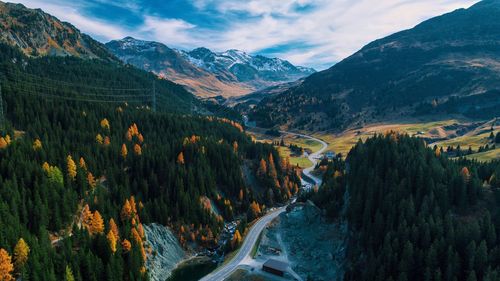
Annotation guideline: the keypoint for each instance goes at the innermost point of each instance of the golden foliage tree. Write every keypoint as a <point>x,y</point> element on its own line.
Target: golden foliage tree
<point>105,124</point>
<point>180,158</point>
<point>126,212</point>
<point>126,245</point>
<point>6,266</point>
<point>68,276</point>
<point>112,241</point>
<point>137,149</point>
<point>3,143</point>
<point>86,216</point>
<point>82,163</point>
<point>71,167</point>
<point>91,180</point>
<point>124,151</point>
<point>97,224</point>
<point>235,146</point>
<point>262,168</point>
<point>99,139</point>
<point>114,228</point>
<point>140,138</point>
<point>21,252</point>
<point>107,141</point>
<point>37,144</point>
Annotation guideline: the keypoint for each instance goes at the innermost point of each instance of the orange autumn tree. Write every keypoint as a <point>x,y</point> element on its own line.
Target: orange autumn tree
<point>6,266</point>
<point>86,217</point>
<point>262,171</point>
<point>91,180</point>
<point>97,224</point>
<point>124,151</point>
<point>180,158</point>
<point>126,245</point>
<point>126,212</point>
<point>114,228</point>
<point>112,241</point>
<point>137,149</point>
<point>105,124</point>
<point>83,165</point>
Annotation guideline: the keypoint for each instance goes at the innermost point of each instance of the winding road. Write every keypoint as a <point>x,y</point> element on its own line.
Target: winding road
<point>251,238</point>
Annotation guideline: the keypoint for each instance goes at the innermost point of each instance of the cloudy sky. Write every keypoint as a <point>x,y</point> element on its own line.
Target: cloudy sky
<point>314,33</point>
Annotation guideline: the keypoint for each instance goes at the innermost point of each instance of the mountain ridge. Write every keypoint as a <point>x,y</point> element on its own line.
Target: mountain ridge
<point>423,70</point>
<point>37,33</point>
<point>228,73</point>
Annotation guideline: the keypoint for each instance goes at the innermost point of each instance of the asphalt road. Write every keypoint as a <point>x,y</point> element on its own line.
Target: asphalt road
<point>313,157</point>
<point>251,238</point>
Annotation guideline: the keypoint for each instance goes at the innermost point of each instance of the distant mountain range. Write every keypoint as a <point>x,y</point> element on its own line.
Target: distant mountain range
<point>446,65</point>
<point>37,33</point>
<point>207,73</point>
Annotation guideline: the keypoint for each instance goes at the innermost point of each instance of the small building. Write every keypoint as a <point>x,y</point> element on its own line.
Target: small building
<point>275,267</point>
<point>330,155</point>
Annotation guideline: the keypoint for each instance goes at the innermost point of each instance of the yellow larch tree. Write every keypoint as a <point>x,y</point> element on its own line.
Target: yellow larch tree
<point>6,266</point>
<point>21,252</point>
<point>37,144</point>
<point>69,274</point>
<point>71,167</point>
<point>99,139</point>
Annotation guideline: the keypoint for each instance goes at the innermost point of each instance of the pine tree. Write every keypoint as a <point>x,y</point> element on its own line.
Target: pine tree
<point>114,228</point>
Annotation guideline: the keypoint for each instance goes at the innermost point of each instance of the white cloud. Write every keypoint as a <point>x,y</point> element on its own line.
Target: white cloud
<point>333,28</point>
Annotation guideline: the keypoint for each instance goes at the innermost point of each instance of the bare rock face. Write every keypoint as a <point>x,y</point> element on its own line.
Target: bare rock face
<point>167,251</point>
<point>37,33</point>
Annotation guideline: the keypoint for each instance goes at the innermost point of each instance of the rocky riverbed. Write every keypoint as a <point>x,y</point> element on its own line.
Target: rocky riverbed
<point>314,248</point>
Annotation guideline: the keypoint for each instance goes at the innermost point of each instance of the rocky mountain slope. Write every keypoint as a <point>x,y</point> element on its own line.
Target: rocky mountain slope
<point>38,34</point>
<point>206,73</point>
<point>448,64</point>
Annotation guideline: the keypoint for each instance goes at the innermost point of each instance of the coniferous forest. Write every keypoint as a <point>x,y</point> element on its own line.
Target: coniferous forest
<point>414,214</point>
<point>78,179</point>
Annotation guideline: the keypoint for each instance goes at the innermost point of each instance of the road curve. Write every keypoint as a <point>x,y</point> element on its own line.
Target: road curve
<point>246,248</point>
<point>251,238</point>
<point>312,157</point>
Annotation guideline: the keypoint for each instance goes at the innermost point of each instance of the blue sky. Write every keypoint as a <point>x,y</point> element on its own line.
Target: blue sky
<point>315,33</point>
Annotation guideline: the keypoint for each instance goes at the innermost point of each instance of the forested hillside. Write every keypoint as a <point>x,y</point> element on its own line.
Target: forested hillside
<point>84,162</point>
<point>414,214</point>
